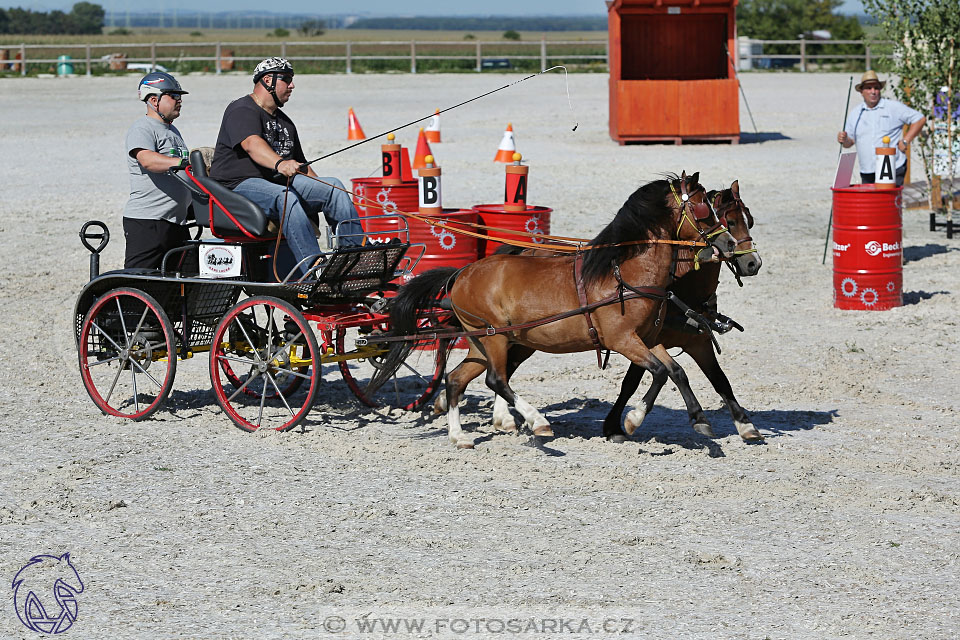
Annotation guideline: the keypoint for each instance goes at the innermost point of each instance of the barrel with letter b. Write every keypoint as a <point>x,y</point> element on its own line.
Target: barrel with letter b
<point>446,243</point>
<point>867,247</point>
<point>392,168</point>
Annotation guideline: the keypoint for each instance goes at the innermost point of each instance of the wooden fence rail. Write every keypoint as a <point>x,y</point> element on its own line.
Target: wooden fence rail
<point>346,52</point>
<point>482,54</point>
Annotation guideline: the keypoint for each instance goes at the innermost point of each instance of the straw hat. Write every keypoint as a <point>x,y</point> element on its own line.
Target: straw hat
<point>869,76</point>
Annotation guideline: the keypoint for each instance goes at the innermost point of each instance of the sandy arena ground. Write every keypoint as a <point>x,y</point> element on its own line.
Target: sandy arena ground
<point>844,524</point>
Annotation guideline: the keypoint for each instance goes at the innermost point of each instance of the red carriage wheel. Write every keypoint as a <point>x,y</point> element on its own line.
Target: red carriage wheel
<point>260,346</point>
<point>127,354</point>
<point>240,377</point>
<point>418,378</point>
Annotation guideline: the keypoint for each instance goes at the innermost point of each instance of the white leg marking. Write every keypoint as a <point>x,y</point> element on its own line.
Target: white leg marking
<point>534,419</point>
<point>455,431</point>
<point>502,418</point>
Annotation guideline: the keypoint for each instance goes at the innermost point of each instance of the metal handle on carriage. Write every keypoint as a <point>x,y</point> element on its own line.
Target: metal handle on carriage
<point>166,256</point>
<point>402,269</point>
<point>103,237</point>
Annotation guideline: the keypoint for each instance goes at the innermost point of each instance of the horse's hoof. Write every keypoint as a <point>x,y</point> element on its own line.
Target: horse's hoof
<point>543,431</point>
<point>507,426</point>
<point>633,421</point>
<point>464,445</point>
<point>618,438</point>
<point>748,432</point>
<point>704,429</point>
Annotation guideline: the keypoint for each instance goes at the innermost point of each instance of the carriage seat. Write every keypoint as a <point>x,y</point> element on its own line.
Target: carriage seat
<point>229,216</point>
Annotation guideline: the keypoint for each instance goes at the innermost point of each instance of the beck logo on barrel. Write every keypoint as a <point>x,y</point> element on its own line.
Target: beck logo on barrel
<point>874,248</point>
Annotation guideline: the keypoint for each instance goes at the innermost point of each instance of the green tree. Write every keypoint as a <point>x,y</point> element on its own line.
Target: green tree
<point>787,19</point>
<point>87,17</point>
<point>925,36</point>
<point>511,35</point>
<point>312,28</point>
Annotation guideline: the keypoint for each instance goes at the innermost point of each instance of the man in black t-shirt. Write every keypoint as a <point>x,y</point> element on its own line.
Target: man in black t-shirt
<point>257,141</point>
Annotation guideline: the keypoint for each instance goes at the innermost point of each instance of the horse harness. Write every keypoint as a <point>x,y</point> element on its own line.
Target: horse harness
<point>623,293</point>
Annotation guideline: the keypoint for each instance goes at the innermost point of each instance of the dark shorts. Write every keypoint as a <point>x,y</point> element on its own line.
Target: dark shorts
<point>870,178</point>
<point>148,241</point>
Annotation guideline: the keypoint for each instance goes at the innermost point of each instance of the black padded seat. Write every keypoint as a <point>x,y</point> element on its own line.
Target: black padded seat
<point>229,215</point>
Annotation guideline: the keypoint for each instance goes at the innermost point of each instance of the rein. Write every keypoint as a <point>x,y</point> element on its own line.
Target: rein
<point>574,244</point>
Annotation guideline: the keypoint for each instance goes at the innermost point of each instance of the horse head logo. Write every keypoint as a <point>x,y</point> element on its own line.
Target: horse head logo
<point>45,594</point>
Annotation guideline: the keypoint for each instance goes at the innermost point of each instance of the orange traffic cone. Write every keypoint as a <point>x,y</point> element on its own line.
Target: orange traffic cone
<point>433,128</point>
<point>507,146</point>
<point>405,171</point>
<point>423,150</point>
<point>354,130</point>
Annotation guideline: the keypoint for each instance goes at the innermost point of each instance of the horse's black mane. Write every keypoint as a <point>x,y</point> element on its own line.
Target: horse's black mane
<point>644,213</point>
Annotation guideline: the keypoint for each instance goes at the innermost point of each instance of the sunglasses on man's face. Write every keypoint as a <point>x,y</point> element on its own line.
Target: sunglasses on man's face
<point>286,78</point>
<point>871,87</point>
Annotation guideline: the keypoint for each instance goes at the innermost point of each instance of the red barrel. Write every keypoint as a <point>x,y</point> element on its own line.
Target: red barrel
<point>445,247</point>
<point>373,198</point>
<point>867,248</point>
<point>534,220</point>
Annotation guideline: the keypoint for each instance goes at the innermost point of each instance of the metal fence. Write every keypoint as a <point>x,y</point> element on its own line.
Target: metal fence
<point>344,56</point>
<point>752,56</point>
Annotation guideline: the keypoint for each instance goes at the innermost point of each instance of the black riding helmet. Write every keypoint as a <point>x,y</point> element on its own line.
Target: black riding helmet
<point>158,84</point>
<point>275,67</point>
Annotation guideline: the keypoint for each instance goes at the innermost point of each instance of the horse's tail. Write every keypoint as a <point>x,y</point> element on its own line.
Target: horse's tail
<point>423,292</point>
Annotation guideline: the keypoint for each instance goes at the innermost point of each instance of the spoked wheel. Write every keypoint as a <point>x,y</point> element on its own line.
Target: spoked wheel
<point>414,383</point>
<point>261,365</point>
<point>287,384</point>
<point>127,354</point>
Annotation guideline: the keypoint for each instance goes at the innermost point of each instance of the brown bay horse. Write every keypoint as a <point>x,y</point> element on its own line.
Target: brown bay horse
<point>613,291</point>
<point>695,290</point>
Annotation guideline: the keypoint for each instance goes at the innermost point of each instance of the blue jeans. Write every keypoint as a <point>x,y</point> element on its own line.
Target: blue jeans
<point>306,200</point>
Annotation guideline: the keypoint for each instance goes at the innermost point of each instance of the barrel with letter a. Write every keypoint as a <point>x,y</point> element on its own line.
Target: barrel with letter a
<point>867,247</point>
<point>886,173</point>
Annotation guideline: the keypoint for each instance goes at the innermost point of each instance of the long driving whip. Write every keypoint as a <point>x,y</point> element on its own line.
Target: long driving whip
<point>826,241</point>
<point>460,104</point>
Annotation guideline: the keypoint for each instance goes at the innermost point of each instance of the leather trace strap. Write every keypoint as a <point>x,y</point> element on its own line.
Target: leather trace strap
<point>582,296</point>
<point>655,293</point>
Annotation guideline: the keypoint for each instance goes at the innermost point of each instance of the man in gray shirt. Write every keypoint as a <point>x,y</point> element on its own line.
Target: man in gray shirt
<point>155,214</point>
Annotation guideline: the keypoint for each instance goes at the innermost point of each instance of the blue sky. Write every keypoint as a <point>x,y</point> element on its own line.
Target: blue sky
<point>380,7</point>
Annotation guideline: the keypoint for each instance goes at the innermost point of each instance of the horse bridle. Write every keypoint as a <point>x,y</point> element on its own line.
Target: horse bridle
<point>735,267</point>
<point>698,211</point>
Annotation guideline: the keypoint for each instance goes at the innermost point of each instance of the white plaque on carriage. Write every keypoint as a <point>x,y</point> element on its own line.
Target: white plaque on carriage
<point>220,261</point>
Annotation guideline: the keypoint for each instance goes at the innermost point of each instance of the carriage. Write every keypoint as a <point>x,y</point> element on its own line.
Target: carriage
<point>267,331</point>
<point>227,299</point>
